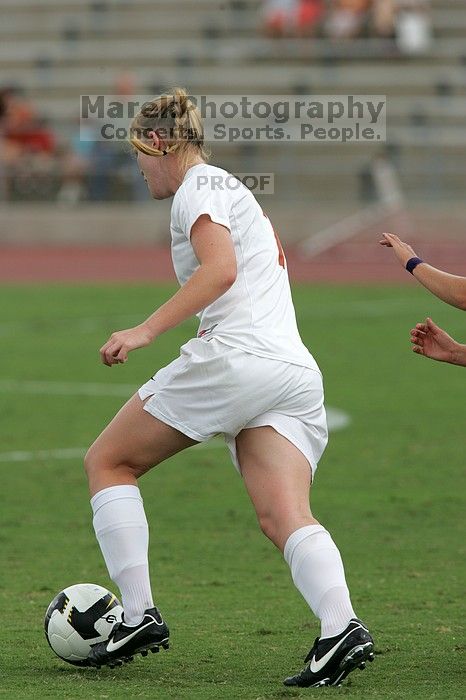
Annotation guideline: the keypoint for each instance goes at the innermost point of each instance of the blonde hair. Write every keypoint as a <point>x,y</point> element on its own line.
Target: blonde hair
<point>176,120</point>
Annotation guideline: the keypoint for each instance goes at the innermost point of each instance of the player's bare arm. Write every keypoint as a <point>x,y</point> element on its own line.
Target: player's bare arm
<point>429,340</point>
<point>215,275</point>
<point>447,287</point>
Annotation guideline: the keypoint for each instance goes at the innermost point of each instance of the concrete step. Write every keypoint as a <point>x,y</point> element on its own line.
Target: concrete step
<point>113,6</point>
<point>273,78</point>
<point>51,50</point>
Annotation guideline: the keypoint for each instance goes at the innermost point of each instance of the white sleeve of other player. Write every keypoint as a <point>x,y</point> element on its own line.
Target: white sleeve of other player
<point>199,197</point>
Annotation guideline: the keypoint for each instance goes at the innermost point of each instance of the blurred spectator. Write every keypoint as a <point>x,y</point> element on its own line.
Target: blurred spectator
<point>34,137</point>
<point>29,149</point>
<point>111,174</point>
<point>35,165</point>
<point>277,16</point>
<point>23,130</point>
<point>406,20</point>
<point>293,17</point>
<point>309,17</point>
<point>413,26</point>
<point>347,19</point>
<point>383,17</point>
<point>76,164</point>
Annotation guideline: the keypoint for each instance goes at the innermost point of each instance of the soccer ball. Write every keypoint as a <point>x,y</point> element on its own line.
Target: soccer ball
<point>79,617</point>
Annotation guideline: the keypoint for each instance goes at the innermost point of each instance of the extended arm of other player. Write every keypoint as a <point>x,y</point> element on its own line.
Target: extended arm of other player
<point>449,288</point>
<point>216,273</point>
<point>430,340</point>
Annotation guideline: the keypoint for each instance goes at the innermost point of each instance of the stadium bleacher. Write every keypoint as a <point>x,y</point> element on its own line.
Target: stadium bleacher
<point>58,50</point>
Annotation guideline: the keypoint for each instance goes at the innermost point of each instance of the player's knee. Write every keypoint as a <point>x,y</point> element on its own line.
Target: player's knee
<point>97,460</point>
<point>91,463</point>
<point>278,525</point>
<point>268,526</point>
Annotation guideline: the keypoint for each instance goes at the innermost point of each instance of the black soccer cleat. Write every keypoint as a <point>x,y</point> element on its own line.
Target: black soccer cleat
<point>331,659</point>
<point>125,641</point>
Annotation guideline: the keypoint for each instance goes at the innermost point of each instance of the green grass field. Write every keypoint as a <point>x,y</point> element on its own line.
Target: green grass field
<point>390,489</point>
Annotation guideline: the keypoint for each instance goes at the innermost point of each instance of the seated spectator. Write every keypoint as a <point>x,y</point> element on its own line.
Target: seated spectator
<point>35,137</point>
<point>22,127</point>
<point>293,17</point>
<point>310,14</point>
<point>277,15</point>
<point>413,26</point>
<point>29,154</point>
<point>76,164</point>
<point>347,19</point>
<point>383,18</point>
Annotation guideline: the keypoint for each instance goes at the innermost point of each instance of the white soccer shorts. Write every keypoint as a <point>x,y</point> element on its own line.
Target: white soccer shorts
<point>214,388</point>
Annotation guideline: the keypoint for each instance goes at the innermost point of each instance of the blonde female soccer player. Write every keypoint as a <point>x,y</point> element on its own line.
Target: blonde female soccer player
<point>246,375</point>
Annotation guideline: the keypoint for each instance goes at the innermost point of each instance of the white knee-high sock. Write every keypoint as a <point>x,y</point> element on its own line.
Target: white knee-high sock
<point>121,529</point>
<point>318,574</point>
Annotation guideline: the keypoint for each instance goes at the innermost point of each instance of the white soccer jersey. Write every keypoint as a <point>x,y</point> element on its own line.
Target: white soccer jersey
<point>256,314</point>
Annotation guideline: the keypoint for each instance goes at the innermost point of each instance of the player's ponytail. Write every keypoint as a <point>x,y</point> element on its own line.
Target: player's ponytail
<point>177,121</point>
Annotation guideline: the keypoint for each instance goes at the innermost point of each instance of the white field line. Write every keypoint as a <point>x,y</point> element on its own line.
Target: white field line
<point>337,420</point>
<point>73,453</point>
<point>42,455</point>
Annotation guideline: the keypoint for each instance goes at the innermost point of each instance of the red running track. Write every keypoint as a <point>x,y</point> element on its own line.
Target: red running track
<point>351,263</point>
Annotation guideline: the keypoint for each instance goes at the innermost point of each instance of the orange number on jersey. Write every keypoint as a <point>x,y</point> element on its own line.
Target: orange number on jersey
<point>281,254</point>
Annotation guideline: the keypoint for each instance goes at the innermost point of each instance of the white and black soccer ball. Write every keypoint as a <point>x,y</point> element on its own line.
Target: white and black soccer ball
<point>79,617</point>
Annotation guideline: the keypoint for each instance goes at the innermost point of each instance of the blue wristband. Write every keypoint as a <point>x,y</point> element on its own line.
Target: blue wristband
<point>413,263</point>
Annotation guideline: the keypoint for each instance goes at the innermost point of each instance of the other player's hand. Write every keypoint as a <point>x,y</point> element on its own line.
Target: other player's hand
<point>431,341</point>
<point>402,250</point>
<point>116,349</point>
